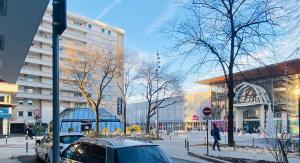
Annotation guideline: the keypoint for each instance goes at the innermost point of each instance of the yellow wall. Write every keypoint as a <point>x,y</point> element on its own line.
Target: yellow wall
<point>8,88</point>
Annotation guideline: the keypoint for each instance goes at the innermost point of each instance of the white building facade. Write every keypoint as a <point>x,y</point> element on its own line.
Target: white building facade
<point>185,113</point>
<point>35,79</point>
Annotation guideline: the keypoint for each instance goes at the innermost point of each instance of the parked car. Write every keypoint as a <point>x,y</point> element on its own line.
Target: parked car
<point>117,150</point>
<point>43,147</point>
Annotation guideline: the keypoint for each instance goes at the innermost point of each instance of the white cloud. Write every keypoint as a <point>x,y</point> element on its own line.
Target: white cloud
<point>108,8</point>
<point>169,13</point>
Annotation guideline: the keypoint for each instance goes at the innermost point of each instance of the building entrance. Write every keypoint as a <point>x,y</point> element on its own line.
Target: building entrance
<point>251,126</point>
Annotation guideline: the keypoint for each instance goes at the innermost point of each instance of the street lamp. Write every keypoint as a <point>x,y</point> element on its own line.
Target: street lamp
<point>157,114</point>
<point>297,92</point>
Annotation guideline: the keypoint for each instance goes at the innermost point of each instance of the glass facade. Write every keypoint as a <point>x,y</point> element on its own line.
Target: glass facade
<point>80,119</point>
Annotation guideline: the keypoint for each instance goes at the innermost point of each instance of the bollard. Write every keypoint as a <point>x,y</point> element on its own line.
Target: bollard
<point>170,136</point>
<point>26,147</point>
<point>253,142</point>
<point>234,145</point>
<point>185,143</point>
<point>188,146</point>
<point>6,139</point>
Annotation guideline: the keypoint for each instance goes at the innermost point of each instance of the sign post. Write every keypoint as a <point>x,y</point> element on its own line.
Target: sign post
<point>207,112</point>
<point>36,113</point>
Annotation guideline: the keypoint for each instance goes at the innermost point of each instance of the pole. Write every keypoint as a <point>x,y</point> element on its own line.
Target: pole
<point>35,128</point>
<point>157,110</point>
<point>207,135</point>
<point>55,74</point>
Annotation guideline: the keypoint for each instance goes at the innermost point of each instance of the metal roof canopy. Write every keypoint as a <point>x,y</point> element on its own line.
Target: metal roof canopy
<point>19,27</point>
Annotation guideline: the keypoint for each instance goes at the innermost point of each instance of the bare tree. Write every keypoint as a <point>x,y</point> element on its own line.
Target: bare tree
<point>278,143</point>
<point>228,31</point>
<point>165,87</point>
<point>92,71</point>
<point>127,76</point>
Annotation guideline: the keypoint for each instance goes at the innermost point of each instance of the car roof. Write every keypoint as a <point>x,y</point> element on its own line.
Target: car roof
<point>70,133</point>
<point>116,142</point>
<point>67,134</point>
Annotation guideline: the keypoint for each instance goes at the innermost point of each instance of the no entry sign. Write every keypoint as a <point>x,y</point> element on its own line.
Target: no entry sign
<point>207,111</point>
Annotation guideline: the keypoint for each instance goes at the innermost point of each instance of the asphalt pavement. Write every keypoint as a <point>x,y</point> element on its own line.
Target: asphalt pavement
<point>177,160</point>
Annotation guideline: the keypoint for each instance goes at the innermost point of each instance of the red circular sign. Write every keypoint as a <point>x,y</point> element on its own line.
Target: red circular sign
<point>207,111</point>
<point>36,112</point>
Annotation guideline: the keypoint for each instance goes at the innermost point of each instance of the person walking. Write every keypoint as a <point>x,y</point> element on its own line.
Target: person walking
<point>215,132</point>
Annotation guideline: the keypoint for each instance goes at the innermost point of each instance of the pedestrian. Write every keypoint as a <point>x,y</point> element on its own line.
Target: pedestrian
<point>215,132</point>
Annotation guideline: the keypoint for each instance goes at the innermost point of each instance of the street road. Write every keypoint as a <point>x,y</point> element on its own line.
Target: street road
<point>176,160</point>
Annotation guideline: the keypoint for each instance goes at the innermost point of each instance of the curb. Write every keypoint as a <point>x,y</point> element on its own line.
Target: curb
<point>204,157</point>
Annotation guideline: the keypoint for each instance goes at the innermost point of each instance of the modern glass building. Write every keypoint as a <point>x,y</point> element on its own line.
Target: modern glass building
<point>273,86</point>
<point>82,119</point>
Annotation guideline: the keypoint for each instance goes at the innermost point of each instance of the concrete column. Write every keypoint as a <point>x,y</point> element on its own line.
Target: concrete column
<point>239,117</point>
<point>262,116</point>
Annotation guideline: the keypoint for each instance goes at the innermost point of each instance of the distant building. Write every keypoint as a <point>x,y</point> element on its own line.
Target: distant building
<point>7,95</point>
<point>185,113</point>
<point>35,78</point>
<point>19,22</point>
<point>255,90</point>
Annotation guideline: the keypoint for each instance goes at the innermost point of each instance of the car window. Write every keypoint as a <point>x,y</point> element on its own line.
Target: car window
<point>97,154</point>
<point>68,139</point>
<point>46,139</point>
<point>70,151</point>
<point>144,154</point>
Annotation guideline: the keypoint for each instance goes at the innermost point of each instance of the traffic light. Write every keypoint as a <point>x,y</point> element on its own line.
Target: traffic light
<point>59,16</point>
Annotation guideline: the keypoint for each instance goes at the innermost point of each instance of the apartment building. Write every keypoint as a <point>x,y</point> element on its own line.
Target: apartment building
<point>35,79</point>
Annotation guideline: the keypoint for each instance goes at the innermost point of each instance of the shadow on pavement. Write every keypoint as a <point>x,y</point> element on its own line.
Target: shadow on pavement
<point>28,159</point>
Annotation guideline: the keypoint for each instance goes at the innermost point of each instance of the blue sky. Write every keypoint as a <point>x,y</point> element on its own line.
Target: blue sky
<point>140,19</point>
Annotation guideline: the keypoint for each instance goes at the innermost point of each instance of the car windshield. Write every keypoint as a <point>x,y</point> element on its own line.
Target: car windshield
<point>68,139</point>
<point>145,154</point>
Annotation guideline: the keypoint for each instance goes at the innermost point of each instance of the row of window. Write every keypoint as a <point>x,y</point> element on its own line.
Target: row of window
<point>29,102</point>
<point>21,113</point>
<point>102,29</point>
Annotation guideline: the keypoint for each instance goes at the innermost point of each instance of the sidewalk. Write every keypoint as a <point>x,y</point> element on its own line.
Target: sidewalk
<point>176,150</point>
<point>16,146</point>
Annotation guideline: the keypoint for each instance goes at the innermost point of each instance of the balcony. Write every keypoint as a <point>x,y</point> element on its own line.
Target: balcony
<point>36,73</point>
<point>38,61</point>
<point>40,50</point>
<point>34,84</point>
<point>71,35</point>
<point>34,96</point>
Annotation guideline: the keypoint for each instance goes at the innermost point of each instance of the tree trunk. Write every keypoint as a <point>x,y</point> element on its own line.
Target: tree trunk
<point>125,122</point>
<point>231,95</point>
<point>148,125</point>
<point>97,121</point>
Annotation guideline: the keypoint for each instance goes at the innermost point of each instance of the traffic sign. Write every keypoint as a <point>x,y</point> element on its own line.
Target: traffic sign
<point>36,112</point>
<point>207,111</point>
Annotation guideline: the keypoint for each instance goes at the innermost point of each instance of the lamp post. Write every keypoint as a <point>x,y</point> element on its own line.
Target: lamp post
<point>157,110</point>
<point>297,92</point>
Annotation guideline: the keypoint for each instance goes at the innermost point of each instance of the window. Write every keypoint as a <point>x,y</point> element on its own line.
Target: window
<point>146,154</point>
<point>30,90</point>
<point>29,114</point>
<point>29,101</point>
<point>77,94</point>
<point>30,79</point>
<point>77,152</point>
<point>20,113</point>
<point>103,30</point>
<point>3,7</point>
<point>2,97</point>
<point>21,102</point>
<point>97,154</point>
<point>90,26</point>
<point>2,41</point>
<point>109,32</point>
